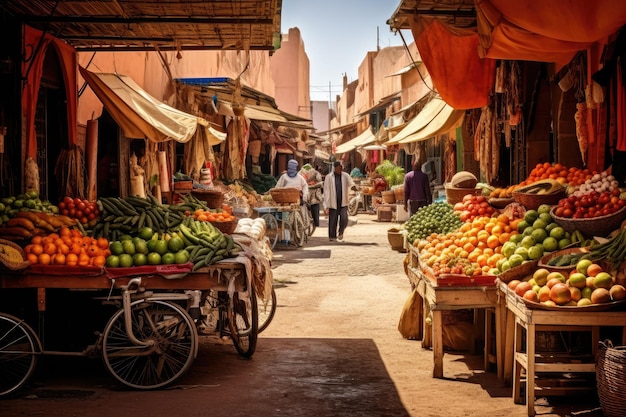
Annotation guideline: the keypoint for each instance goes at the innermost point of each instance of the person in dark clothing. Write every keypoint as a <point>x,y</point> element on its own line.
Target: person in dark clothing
<point>416,190</point>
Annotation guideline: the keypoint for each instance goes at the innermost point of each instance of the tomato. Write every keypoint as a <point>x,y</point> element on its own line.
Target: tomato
<point>568,212</point>
<point>78,214</point>
<point>621,203</point>
<point>67,199</point>
<point>559,211</point>
<point>77,201</point>
<point>615,192</point>
<point>87,211</point>
<point>72,212</point>
<point>65,212</point>
<point>62,205</point>
<point>84,220</point>
<point>80,206</point>
<point>91,216</point>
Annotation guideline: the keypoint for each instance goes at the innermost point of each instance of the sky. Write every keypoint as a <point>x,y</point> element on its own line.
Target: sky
<point>337,34</point>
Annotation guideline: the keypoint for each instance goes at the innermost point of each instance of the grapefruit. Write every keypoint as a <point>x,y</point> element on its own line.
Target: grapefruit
<point>575,293</point>
<point>513,284</point>
<point>531,295</point>
<point>560,294</point>
<point>522,288</point>
<point>578,280</point>
<point>600,296</point>
<point>544,293</point>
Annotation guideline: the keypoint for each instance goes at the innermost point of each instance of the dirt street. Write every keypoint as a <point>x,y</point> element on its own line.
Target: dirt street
<point>333,349</point>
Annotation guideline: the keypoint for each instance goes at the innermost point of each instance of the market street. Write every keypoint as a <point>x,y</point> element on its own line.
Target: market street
<point>333,349</point>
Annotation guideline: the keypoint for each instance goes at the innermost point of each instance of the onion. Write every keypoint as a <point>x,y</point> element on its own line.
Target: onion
<point>610,178</point>
<point>596,177</point>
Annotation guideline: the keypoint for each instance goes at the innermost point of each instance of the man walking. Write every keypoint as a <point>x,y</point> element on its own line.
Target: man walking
<point>416,190</point>
<point>336,188</point>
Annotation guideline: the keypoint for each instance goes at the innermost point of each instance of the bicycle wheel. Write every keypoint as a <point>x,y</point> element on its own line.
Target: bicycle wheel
<point>243,321</point>
<point>267,309</point>
<point>353,206</point>
<point>297,227</point>
<point>271,228</point>
<point>150,367</point>
<point>18,354</point>
<point>310,228</point>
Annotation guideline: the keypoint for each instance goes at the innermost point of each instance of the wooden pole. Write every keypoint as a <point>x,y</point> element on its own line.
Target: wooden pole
<point>92,159</point>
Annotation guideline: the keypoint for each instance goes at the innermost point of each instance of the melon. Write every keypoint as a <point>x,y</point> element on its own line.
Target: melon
<point>463,179</point>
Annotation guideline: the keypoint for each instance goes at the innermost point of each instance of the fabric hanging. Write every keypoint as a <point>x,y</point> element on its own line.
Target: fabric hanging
<point>36,43</point>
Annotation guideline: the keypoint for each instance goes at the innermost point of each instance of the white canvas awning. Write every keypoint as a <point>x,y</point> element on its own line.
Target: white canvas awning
<point>138,114</point>
<point>364,138</point>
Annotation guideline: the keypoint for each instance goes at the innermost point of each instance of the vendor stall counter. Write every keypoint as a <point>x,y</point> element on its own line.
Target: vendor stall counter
<point>437,298</point>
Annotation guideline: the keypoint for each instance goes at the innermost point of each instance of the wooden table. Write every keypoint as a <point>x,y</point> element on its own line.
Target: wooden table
<point>435,299</point>
<point>531,321</point>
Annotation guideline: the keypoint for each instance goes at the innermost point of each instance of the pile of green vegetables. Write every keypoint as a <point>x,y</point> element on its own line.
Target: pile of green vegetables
<point>393,174</point>
<point>437,218</point>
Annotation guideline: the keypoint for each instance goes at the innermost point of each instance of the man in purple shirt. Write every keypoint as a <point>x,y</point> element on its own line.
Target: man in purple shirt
<point>416,190</point>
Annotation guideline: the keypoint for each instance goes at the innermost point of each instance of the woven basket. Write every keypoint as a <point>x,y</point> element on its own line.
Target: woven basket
<point>396,239</point>
<point>226,227</point>
<point>14,266</point>
<point>455,195</point>
<point>611,378</point>
<point>533,201</point>
<point>287,195</point>
<point>565,270</point>
<point>398,193</point>
<point>389,197</point>
<point>596,226</point>
<point>213,199</point>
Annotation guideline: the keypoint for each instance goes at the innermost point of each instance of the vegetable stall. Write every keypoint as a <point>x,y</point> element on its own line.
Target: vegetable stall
<point>542,261</point>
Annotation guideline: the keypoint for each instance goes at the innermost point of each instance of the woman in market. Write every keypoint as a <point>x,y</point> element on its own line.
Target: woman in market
<point>292,179</point>
<point>315,183</point>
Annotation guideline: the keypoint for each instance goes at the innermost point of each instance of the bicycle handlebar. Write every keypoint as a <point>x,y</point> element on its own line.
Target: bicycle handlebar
<point>133,283</point>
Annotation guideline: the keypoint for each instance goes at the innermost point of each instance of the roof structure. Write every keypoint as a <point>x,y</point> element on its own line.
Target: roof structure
<point>90,25</point>
<point>458,13</point>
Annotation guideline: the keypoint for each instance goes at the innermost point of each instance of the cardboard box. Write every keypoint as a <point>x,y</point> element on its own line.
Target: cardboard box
<point>384,214</point>
<point>401,214</point>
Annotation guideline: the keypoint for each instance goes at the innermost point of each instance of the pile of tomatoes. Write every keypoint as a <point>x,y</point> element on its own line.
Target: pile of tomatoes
<point>590,205</point>
<point>473,206</point>
<point>77,208</point>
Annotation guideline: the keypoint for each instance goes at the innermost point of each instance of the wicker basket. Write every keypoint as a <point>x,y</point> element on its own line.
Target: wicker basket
<point>455,195</point>
<point>565,270</point>
<point>14,266</point>
<point>398,193</point>
<point>226,227</point>
<point>396,239</point>
<point>389,197</point>
<point>533,201</point>
<point>519,272</point>
<point>611,378</point>
<point>213,198</point>
<point>287,195</point>
<point>596,226</point>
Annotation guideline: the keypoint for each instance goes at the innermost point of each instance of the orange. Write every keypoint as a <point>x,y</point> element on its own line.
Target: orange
<point>493,241</point>
<point>64,249</point>
<point>36,249</point>
<point>482,260</point>
<point>83,259</point>
<point>44,259</point>
<point>93,250</point>
<point>497,230</point>
<point>503,218</point>
<point>76,233</point>
<point>99,260</point>
<point>59,259</point>
<point>32,258</point>
<point>36,240</point>
<point>202,217</point>
<point>65,232</point>
<point>102,243</point>
<point>75,248</point>
<point>28,248</point>
<point>504,237</point>
<point>50,248</point>
<point>71,259</point>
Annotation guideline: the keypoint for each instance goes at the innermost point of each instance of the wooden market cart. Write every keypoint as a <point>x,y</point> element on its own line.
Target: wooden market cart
<point>152,337</point>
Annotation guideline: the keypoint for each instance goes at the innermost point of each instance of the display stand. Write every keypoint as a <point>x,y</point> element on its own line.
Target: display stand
<point>435,299</point>
<point>528,322</point>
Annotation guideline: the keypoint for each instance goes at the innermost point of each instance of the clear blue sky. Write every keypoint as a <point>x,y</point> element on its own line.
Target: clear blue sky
<point>337,35</point>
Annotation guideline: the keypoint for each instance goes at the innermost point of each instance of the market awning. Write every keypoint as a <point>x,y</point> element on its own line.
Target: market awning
<point>215,136</point>
<point>363,139</point>
<point>382,104</point>
<point>435,118</point>
<point>138,114</point>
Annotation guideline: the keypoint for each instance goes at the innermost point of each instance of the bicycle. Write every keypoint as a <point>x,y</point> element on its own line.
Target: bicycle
<point>288,225</point>
<point>307,216</point>
<point>266,310</point>
<point>356,201</point>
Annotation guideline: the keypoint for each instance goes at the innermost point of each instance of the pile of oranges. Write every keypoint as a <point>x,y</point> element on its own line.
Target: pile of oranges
<point>559,172</point>
<point>67,247</point>
<point>474,249</point>
<point>213,216</point>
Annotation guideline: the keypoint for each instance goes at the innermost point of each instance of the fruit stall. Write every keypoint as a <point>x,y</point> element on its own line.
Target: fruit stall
<point>143,279</point>
<point>542,265</point>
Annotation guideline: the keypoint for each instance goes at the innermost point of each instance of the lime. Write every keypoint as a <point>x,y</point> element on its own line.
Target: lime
<point>182,256</point>
<point>508,249</point>
<point>539,224</point>
<point>516,238</point>
<point>152,245</point>
<point>126,260</point>
<point>505,266</point>
<point>546,218</point>
<point>146,233</point>
<point>563,243</point>
<point>154,258</point>
<point>31,204</point>
<point>557,232</point>
<point>528,242</point>
<point>2,206</point>
<point>175,244</point>
<point>18,204</point>
<point>544,208</point>
<point>160,247</point>
<point>129,247</point>
<point>168,258</point>
<point>113,261</point>
<point>515,260</point>
<point>531,216</point>
<point>125,237</point>
<point>535,252</point>
<point>141,246</point>
<point>521,251</point>
<point>521,226</point>
<point>539,235</point>
<point>551,226</point>
<point>139,259</point>
<point>116,248</point>
<point>550,244</point>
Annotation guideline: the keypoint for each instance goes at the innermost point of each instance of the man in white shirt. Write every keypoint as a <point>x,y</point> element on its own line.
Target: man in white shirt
<point>292,179</point>
<point>336,188</point>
